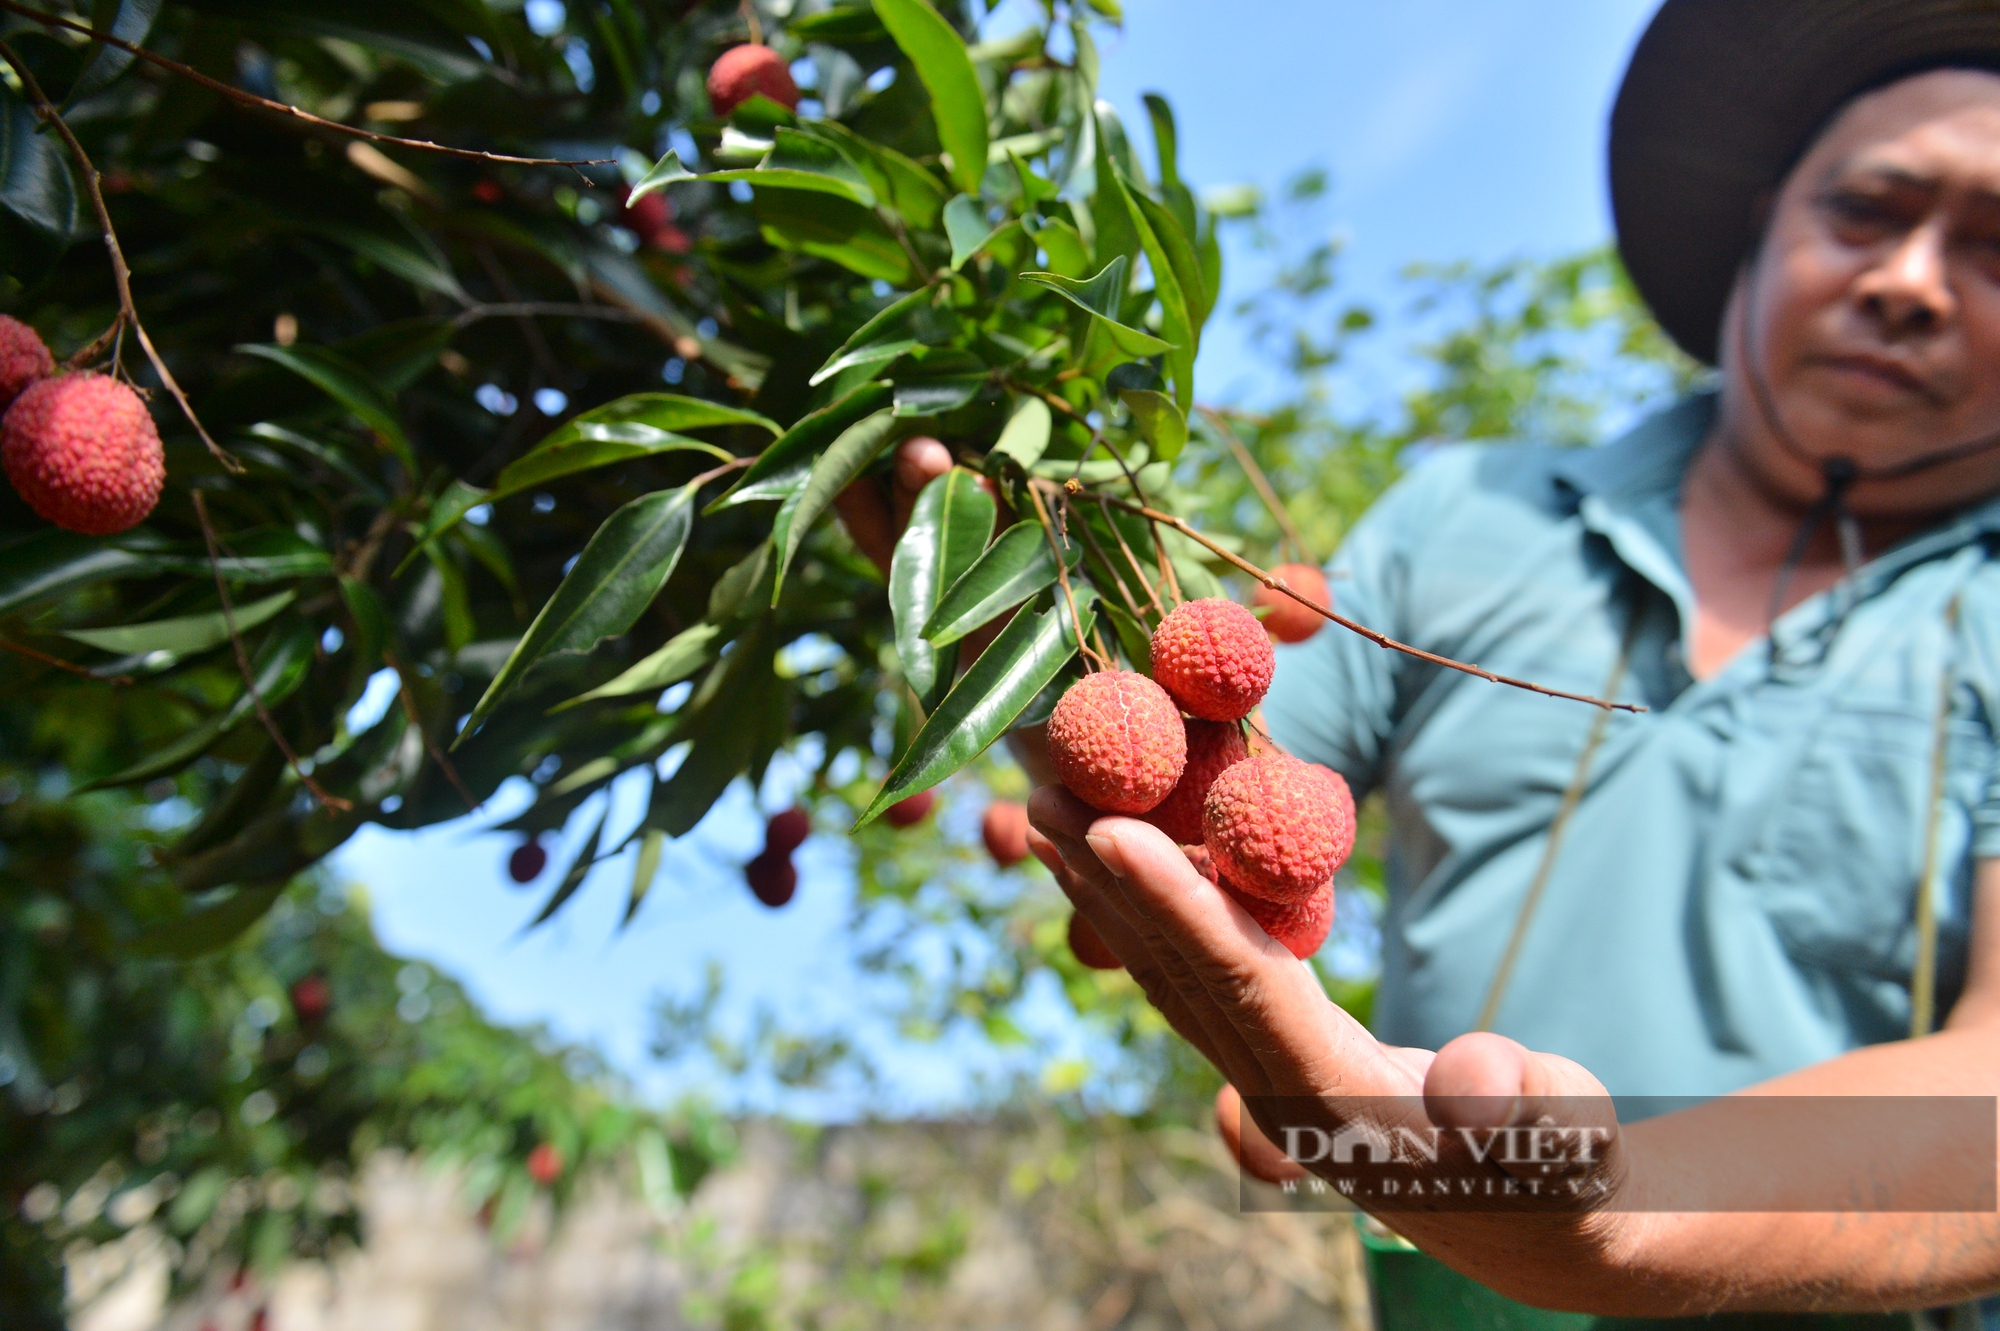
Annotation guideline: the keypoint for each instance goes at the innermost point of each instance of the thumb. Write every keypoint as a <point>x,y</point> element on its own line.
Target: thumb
<point>1542,1114</point>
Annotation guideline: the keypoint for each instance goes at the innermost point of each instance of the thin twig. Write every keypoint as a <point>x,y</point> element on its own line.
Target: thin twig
<point>1261,483</point>
<point>1138,569</point>
<point>333,803</point>
<point>408,694</point>
<point>1062,577</point>
<point>756,24</point>
<point>1278,584</point>
<point>120,273</point>
<point>285,109</point>
<point>98,345</point>
<point>1090,540</point>
<point>58,662</point>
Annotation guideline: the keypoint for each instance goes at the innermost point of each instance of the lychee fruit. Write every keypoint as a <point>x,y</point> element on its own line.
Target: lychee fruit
<point>787,830</point>
<point>1088,948</point>
<point>525,865</point>
<point>911,811</point>
<point>24,358</point>
<point>1117,742</point>
<point>312,999</point>
<point>1005,831</point>
<point>83,451</point>
<point>1213,658</point>
<point>1287,620</point>
<point>742,72</point>
<point>651,219</point>
<point>545,1163</point>
<point>1300,928</point>
<point>773,878</point>
<point>1212,747</point>
<point>1278,827</point>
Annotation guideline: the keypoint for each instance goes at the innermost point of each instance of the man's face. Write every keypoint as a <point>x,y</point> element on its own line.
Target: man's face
<point>1873,311</point>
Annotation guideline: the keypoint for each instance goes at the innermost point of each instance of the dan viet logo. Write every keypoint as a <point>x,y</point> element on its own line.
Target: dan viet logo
<point>1542,1159</point>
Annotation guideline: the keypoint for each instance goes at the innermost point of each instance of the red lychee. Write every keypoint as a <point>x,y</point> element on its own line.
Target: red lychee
<point>1117,742</point>
<point>1277,827</point>
<point>83,451</point>
<point>312,999</point>
<point>525,865</point>
<point>1088,948</point>
<point>744,71</point>
<point>1213,658</point>
<point>773,878</point>
<point>651,218</point>
<point>1005,831</point>
<point>24,358</point>
<point>1212,747</point>
<point>1287,620</point>
<point>545,1164</point>
<point>787,831</point>
<point>911,811</point>
<point>1300,927</point>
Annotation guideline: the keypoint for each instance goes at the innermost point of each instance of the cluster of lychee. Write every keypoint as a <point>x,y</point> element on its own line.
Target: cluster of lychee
<point>79,447</point>
<point>1266,828</point>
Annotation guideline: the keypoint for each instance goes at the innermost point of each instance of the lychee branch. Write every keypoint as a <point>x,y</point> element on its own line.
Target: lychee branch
<point>1138,570</point>
<point>282,108</point>
<point>1278,584</point>
<point>332,803</point>
<point>1083,647</point>
<point>121,274</point>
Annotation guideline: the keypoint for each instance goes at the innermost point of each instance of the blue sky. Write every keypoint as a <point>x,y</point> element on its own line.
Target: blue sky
<point>1453,129</point>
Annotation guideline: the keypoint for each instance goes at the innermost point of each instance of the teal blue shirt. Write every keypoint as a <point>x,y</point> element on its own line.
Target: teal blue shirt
<point>1734,896</point>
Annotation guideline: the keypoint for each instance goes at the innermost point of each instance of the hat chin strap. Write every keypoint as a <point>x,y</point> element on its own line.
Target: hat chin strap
<point>1839,473</point>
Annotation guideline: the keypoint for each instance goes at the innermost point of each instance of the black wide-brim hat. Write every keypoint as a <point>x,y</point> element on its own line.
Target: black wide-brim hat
<point>1721,99</point>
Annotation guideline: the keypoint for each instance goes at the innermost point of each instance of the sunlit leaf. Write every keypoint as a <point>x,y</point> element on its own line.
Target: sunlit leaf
<point>948,530</point>
<point>873,343</point>
<point>813,432</point>
<point>663,173</point>
<point>684,653</point>
<point>182,635</point>
<point>1026,436</point>
<point>1159,421</point>
<point>843,461</point>
<point>1011,570</point>
<point>945,67</point>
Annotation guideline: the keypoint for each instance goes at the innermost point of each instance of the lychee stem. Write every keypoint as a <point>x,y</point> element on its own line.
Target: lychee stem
<point>756,24</point>
<point>284,108</point>
<point>121,274</point>
<point>1083,647</point>
<point>1138,569</point>
<point>332,803</point>
<point>1098,550</point>
<point>1278,584</point>
<point>1261,483</point>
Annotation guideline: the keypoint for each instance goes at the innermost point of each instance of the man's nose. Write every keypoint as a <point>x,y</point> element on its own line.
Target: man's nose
<point>1909,291</point>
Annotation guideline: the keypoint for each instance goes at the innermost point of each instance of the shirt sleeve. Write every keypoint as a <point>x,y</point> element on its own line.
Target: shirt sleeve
<point>1334,697</point>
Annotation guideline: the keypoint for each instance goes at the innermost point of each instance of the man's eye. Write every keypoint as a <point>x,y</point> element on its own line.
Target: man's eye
<point>1859,210</point>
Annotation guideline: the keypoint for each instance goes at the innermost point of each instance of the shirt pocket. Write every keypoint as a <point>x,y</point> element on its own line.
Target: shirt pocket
<point>1842,849</point>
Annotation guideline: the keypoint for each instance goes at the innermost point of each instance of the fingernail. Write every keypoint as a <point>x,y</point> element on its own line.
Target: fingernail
<point>1107,853</point>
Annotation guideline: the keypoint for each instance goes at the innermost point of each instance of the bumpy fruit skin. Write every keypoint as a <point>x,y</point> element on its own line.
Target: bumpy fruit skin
<point>1300,928</point>
<point>744,71</point>
<point>83,451</point>
<point>787,831</point>
<point>545,1164</point>
<point>1213,658</point>
<point>1287,620</point>
<point>1117,742</point>
<point>1004,829</point>
<point>525,865</point>
<point>911,811</point>
<point>24,358</point>
<point>1088,948</point>
<point>1212,748</point>
<point>773,878</point>
<point>1277,827</point>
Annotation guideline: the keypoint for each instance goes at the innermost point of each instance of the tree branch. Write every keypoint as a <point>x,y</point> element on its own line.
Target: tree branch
<point>282,108</point>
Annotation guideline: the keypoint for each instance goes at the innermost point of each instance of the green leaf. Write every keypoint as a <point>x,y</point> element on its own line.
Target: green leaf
<point>1068,255</point>
<point>684,653</point>
<point>280,666</point>
<point>184,634</point>
<point>986,699</point>
<point>664,172</point>
<point>1011,570</point>
<point>870,343</point>
<point>934,397</point>
<point>134,20</point>
<point>853,187</point>
<point>945,67</point>
<point>948,530</point>
<point>965,225</point>
<point>447,509</point>
<point>835,228</point>
<point>1165,139</point>
<point>780,486</point>
<point>620,571</point>
<point>1132,636</point>
<point>35,181</point>
<point>209,928</point>
<point>896,180</point>
<point>1034,189</point>
<point>1102,295</point>
<point>371,621</point>
<point>1176,321</point>
<point>344,382</point>
<point>1026,436</point>
<point>844,460</point>
<point>579,869</point>
<point>1174,242</point>
<point>397,259</point>
<point>1159,421</point>
<point>644,868</point>
<point>813,432</point>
